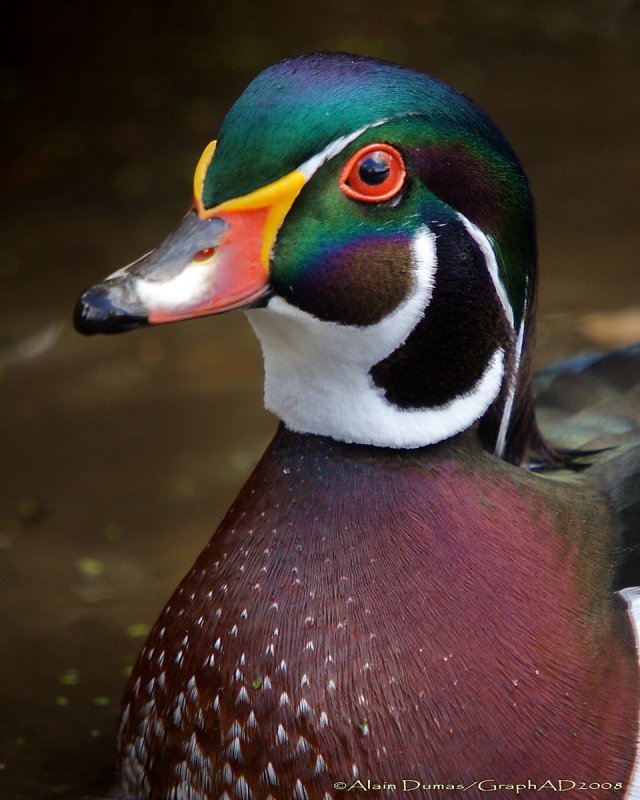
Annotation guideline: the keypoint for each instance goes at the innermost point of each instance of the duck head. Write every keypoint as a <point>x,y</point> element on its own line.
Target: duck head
<point>378,230</point>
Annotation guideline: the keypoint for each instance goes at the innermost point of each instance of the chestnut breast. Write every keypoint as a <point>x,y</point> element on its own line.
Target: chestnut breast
<point>380,615</point>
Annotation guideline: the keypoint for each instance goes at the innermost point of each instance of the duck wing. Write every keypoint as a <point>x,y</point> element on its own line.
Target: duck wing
<point>591,403</point>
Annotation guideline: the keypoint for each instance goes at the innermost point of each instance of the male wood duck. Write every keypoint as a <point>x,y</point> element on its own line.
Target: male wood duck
<point>396,595</point>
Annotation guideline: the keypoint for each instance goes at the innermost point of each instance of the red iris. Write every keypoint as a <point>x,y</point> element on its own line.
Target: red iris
<point>374,174</point>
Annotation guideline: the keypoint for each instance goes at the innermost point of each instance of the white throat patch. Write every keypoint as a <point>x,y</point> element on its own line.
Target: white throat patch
<point>317,373</point>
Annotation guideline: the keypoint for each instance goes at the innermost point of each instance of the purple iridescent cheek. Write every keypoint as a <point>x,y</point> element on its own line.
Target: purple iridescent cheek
<point>355,283</point>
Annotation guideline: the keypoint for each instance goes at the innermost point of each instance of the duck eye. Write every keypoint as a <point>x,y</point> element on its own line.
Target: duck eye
<point>374,173</point>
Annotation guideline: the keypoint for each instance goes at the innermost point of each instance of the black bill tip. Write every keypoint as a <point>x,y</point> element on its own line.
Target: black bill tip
<point>98,311</point>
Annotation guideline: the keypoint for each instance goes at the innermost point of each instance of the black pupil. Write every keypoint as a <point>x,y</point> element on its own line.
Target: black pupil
<point>374,170</point>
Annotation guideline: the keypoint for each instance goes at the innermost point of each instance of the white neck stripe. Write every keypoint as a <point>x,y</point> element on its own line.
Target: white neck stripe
<point>486,248</point>
<point>501,439</point>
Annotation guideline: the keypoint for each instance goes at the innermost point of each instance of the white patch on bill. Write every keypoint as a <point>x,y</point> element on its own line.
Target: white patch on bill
<point>182,291</point>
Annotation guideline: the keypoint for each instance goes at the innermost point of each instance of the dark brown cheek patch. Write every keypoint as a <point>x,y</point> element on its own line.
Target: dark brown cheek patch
<point>448,351</point>
<point>357,284</point>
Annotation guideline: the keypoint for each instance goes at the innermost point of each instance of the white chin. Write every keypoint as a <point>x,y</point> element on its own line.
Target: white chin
<point>317,373</point>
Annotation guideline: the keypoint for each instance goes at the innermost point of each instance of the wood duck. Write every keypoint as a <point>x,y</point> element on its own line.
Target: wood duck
<point>396,595</point>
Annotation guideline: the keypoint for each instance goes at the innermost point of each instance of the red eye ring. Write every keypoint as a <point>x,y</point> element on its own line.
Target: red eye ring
<point>374,173</point>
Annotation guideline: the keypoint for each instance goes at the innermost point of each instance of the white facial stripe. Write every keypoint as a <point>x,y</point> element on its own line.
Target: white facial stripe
<point>492,265</point>
<point>317,373</point>
<point>631,597</point>
<point>487,251</point>
<point>310,167</point>
<point>184,290</point>
<point>501,440</point>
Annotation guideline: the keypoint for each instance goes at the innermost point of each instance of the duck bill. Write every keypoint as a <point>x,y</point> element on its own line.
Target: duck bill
<point>216,261</point>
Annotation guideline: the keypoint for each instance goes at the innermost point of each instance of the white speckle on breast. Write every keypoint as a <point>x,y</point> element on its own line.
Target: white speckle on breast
<point>269,775</point>
<point>158,728</point>
<point>299,791</point>
<point>242,790</point>
<point>281,735</point>
<point>251,721</point>
<point>234,751</point>
<point>140,749</point>
<point>181,770</point>
<point>227,774</point>
<point>304,708</point>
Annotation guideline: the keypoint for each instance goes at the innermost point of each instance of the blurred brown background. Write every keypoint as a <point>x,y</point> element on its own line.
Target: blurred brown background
<point>119,455</point>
